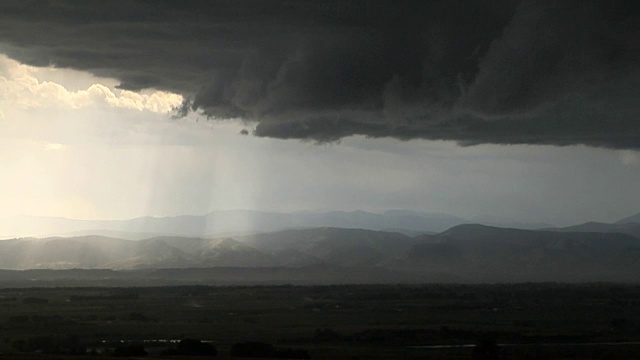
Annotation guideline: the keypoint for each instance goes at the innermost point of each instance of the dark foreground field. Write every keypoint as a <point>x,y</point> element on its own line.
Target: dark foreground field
<point>526,321</point>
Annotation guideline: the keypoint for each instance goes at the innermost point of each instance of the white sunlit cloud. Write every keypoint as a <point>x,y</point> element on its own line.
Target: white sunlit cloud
<point>20,85</point>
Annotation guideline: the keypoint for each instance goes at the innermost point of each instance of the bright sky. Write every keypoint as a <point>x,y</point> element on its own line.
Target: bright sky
<point>73,145</point>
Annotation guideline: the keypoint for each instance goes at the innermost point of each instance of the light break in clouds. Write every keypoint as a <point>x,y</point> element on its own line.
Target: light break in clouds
<point>65,153</point>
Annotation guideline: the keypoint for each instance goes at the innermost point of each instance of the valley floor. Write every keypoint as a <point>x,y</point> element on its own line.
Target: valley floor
<point>516,321</point>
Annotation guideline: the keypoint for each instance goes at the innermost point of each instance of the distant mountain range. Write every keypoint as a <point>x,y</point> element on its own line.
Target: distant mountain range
<point>237,222</point>
<point>462,253</point>
<point>629,228</point>
<point>289,248</point>
<point>483,253</point>
<point>227,222</point>
<point>631,219</point>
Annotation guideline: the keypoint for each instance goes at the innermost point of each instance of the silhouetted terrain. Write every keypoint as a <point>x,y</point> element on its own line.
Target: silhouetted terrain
<point>483,253</point>
<point>463,253</point>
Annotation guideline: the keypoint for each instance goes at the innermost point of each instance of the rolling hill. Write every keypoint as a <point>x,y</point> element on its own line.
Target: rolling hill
<point>464,253</point>
<point>498,254</point>
<point>337,246</point>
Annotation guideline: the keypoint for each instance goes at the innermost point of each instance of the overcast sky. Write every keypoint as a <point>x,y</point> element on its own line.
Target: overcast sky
<point>521,109</point>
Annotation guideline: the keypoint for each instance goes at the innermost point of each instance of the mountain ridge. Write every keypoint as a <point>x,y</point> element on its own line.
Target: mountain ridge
<point>468,252</point>
<point>235,222</point>
<point>630,219</point>
<point>228,221</point>
<point>629,228</point>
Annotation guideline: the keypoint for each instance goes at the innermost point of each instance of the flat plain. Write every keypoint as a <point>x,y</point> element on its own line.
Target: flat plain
<point>525,321</point>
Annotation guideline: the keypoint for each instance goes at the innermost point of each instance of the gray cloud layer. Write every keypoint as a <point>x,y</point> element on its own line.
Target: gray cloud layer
<point>536,72</point>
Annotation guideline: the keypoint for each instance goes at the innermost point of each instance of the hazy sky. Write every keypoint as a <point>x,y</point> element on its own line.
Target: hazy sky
<point>348,105</point>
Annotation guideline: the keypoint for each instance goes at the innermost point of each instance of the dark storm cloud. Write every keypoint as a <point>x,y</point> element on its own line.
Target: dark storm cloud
<point>538,72</point>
